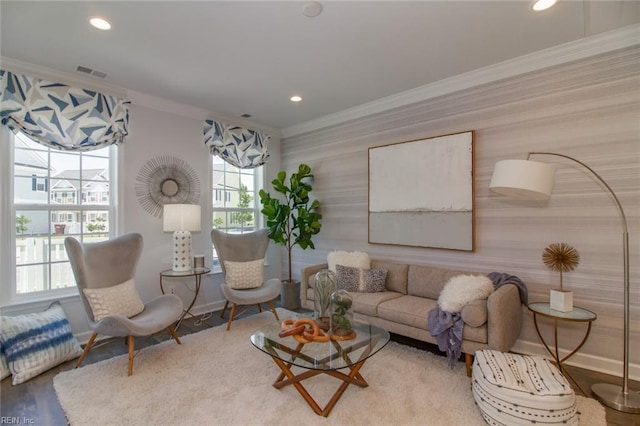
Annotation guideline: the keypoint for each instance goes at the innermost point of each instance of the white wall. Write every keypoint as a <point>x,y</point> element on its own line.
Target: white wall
<point>588,109</point>
<point>162,127</point>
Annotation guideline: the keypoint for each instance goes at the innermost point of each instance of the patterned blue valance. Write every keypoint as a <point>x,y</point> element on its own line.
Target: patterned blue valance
<point>240,147</point>
<point>61,116</point>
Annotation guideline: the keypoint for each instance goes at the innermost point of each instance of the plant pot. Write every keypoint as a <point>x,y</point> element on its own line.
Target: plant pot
<point>290,294</point>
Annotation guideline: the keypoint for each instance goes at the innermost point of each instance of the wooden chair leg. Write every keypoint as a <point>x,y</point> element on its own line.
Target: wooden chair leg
<point>173,334</point>
<point>231,315</point>
<point>273,309</point>
<point>226,304</point>
<point>86,349</point>
<point>468,360</point>
<point>259,307</point>
<point>131,347</point>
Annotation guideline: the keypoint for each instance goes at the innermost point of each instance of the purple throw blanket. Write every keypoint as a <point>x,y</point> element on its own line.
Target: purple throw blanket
<point>447,327</point>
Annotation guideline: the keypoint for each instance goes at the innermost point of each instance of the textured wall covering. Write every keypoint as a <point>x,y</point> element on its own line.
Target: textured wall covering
<point>590,110</point>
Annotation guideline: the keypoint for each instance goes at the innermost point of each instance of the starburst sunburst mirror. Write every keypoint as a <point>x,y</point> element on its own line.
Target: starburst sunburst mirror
<point>166,180</point>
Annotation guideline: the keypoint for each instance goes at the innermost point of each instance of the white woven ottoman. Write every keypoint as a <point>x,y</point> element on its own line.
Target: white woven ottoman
<point>512,389</point>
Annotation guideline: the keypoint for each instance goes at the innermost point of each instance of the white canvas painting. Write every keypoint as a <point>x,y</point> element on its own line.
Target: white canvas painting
<point>421,193</point>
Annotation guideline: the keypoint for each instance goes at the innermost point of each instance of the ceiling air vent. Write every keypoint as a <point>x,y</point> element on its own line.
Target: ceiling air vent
<point>89,71</point>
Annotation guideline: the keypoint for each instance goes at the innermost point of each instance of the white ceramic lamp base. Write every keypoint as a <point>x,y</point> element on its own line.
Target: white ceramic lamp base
<point>181,251</point>
<point>561,300</point>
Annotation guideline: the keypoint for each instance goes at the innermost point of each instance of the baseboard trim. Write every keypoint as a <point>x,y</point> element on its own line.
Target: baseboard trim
<point>589,362</point>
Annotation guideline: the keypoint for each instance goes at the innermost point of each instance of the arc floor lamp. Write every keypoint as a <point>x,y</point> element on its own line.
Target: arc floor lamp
<point>534,180</point>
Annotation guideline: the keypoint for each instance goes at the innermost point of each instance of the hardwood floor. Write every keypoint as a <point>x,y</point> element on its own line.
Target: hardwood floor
<point>35,401</point>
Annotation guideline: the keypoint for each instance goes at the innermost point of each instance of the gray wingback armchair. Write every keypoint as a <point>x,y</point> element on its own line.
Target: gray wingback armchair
<point>107,264</point>
<point>245,248</point>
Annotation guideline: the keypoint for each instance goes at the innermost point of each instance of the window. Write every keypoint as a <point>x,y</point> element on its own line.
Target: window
<point>49,205</point>
<point>236,203</point>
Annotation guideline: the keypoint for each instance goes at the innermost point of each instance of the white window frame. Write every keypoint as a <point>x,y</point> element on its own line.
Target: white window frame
<point>258,183</point>
<point>8,210</point>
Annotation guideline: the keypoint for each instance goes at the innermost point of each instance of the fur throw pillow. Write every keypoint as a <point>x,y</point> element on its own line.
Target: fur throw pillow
<point>355,259</point>
<point>462,289</point>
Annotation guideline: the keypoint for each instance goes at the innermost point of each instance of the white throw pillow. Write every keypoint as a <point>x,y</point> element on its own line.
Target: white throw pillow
<point>120,299</point>
<point>244,275</point>
<point>462,289</point>
<point>355,259</point>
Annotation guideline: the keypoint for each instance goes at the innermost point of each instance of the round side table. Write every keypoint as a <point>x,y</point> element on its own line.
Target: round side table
<point>578,314</point>
<point>197,273</point>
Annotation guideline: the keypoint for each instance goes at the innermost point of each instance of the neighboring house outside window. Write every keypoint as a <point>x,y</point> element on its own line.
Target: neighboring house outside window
<point>62,206</point>
<point>236,203</point>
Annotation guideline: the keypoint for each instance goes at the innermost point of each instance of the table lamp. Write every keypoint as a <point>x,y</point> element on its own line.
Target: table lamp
<point>181,219</point>
<point>533,180</point>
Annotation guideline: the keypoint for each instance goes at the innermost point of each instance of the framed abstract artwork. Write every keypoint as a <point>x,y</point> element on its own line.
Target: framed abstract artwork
<point>421,193</point>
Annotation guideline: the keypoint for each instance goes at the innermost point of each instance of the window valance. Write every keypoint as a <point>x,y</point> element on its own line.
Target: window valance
<point>61,116</point>
<point>240,147</point>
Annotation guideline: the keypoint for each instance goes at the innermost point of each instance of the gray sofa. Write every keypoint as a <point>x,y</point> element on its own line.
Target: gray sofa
<point>413,290</point>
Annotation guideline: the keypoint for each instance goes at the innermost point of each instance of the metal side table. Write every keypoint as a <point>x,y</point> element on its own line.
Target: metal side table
<point>197,273</point>
<point>578,314</point>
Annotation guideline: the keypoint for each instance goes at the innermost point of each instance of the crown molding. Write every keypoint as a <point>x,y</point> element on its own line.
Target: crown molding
<point>44,73</point>
<point>625,37</point>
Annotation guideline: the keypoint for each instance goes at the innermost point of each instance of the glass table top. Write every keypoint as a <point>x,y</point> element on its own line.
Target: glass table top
<point>577,314</point>
<point>332,355</point>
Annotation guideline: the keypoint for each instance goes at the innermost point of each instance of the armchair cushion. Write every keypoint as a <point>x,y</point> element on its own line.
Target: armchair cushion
<point>244,275</point>
<point>120,299</point>
<point>34,343</point>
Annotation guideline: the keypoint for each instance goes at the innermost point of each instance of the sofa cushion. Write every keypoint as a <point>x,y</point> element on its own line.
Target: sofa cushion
<point>474,313</point>
<point>428,281</point>
<point>357,259</point>
<point>363,280</point>
<point>462,289</point>
<point>367,303</point>
<point>407,310</point>
<point>396,275</point>
<point>475,334</point>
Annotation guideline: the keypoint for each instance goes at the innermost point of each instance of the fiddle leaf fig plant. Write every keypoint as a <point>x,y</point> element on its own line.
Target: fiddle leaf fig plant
<point>292,219</point>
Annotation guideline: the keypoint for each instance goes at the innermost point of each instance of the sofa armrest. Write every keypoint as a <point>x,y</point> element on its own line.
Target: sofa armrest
<point>504,317</point>
<point>304,279</point>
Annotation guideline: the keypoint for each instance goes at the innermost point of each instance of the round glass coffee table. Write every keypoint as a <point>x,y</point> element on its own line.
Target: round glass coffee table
<point>321,358</point>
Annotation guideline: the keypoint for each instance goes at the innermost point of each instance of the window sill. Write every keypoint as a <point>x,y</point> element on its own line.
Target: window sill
<point>36,303</point>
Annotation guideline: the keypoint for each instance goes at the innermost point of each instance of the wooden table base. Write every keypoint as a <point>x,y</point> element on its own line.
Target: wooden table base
<point>287,377</point>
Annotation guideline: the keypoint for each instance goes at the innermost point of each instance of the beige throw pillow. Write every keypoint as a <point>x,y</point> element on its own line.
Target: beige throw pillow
<point>244,275</point>
<point>120,299</point>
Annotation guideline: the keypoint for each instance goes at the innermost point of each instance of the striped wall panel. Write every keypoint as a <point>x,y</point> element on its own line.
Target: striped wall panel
<point>588,109</point>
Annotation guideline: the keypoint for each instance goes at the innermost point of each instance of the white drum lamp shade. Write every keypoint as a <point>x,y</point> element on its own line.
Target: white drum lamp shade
<point>523,179</point>
<point>181,219</point>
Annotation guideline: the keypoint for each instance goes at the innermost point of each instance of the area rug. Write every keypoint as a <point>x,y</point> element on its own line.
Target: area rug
<point>218,377</point>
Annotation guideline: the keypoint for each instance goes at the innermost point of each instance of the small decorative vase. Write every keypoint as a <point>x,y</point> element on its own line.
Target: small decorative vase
<point>341,313</point>
<point>325,286</point>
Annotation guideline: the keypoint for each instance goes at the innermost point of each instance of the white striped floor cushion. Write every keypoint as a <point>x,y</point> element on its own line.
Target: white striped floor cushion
<point>512,389</point>
<point>34,343</point>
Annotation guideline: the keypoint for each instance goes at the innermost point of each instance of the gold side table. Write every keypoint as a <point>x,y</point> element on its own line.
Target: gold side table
<point>578,314</point>
<point>197,273</point>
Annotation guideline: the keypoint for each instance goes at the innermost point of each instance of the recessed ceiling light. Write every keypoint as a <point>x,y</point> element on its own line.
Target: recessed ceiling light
<point>100,23</point>
<point>295,98</point>
<point>539,5</point>
<point>312,9</point>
